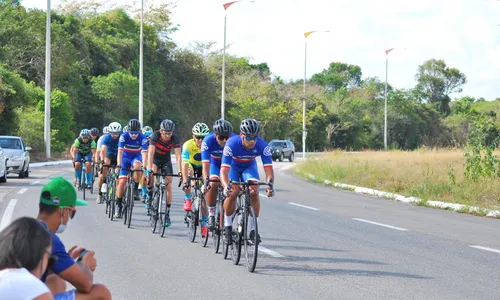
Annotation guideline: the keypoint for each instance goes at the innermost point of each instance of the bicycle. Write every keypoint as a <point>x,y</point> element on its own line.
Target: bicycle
<point>219,213</point>
<point>241,218</point>
<point>82,185</point>
<point>108,190</point>
<point>194,216</point>
<point>159,191</point>
<point>128,206</point>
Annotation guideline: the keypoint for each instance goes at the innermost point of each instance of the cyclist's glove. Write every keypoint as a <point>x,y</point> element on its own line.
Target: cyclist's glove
<point>185,186</point>
<point>148,172</point>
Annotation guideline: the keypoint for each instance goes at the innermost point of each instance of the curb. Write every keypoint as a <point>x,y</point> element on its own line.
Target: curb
<point>51,163</point>
<point>401,198</point>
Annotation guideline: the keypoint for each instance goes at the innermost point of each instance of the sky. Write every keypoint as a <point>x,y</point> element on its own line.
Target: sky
<point>464,33</point>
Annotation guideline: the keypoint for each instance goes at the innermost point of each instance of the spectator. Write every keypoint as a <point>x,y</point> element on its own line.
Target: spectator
<point>57,206</point>
<point>25,248</point>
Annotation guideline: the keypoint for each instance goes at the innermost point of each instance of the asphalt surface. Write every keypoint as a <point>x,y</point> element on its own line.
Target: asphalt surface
<point>318,242</point>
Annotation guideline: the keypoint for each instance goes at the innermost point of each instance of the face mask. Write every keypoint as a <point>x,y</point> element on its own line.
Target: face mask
<point>62,227</point>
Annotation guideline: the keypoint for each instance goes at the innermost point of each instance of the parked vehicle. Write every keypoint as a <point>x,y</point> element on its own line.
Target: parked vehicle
<point>282,149</point>
<point>17,154</point>
<point>3,166</point>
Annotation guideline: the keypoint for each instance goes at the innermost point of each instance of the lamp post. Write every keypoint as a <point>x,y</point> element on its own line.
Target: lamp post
<point>141,70</point>
<point>304,132</point>
<point>385,96</point>
<point>222,104</point>
<point>46,133</point>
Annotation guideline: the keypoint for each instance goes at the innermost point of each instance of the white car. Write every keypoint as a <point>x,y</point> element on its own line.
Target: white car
<point>17,155</point>
<point>3,167</point>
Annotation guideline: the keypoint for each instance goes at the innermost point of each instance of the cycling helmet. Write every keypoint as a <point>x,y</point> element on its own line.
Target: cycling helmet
<point>125,129</point>
<point>85,133</point>
<point>115,127</point>
<point>105,130</point>
<point>223,127</point>
<point>134,125</point>
<point>147,129</point>
<point>200,129</point>
<point>167,125</point>
<point>94,131</point>
<point>250,127</point>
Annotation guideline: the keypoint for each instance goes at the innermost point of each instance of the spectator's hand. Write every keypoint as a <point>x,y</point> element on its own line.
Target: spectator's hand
<point>74,251</point>
<point>89,260</point>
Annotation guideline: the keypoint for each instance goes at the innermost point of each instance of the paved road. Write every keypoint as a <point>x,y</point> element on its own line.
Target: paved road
<point>320,243</point>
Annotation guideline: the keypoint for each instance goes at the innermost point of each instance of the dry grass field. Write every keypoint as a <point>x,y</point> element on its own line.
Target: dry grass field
<point>426,174</point>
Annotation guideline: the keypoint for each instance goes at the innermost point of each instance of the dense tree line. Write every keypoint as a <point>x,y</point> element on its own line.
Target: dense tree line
<point>95,67</point>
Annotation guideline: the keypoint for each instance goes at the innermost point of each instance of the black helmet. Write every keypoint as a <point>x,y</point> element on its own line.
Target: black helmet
<point>167,125</point>
<point>134,125</point>
<point>223,127</point>
<point>250,127</point>
<point>94,131</point>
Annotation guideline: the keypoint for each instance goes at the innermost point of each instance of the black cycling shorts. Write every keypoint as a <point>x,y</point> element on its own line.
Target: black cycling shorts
<point>112,159</point>
<point>163,166</point>
<point>197,171</point>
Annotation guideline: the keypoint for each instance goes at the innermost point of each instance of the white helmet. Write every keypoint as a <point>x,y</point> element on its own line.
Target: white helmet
<point>115,127</point>
<point>125,129</point>
<point>105,130</point>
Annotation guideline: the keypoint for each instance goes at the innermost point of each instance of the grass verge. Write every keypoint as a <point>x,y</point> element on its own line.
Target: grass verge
<point>425,174</point>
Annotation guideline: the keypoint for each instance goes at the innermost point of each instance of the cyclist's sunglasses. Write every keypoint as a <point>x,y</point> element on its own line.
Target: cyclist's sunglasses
<point>251,138</point>
<point>133,132</point>
<point>166,132</point>
<point>73,210</point>
<point>199,137</point>
<point>222,137</point>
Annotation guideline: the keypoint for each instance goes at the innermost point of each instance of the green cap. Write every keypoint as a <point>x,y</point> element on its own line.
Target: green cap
<point>60,192</point>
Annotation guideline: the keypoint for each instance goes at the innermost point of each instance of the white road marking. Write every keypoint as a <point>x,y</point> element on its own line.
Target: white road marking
<point>270,252</point>
<point>35,182</point>
<point>485,248</point>
<point>7,214</point>
<point>380,224</point>
<point>22,191</point>
<point>304,206</point>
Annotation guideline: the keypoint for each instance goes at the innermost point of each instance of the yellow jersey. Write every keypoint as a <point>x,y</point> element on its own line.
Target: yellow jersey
<point>191,153</point>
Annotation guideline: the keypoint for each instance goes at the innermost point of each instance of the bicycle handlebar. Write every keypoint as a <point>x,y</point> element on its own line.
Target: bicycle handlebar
<point>170,175</point>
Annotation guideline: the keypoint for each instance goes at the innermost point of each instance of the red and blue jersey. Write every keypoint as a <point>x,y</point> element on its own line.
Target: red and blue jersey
<point>132,147</point>
<point>235,154</point>
<point>211,151</point>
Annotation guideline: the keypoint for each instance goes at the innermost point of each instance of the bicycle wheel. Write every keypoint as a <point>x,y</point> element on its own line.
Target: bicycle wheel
<point>225,246</point>
<point>251,245</point>
<point>153,216</point>
<point>112,199</point>
<point>130,204</point>
<point>203,239</point>
<point>216,232</point>
<point>92,181</point>
<point>164,219</point>
<point>83,183</point>
<point>237,236</point>
<point>125,202</point>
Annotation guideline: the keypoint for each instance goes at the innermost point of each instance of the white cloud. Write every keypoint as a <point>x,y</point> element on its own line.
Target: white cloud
<point>465,33</point>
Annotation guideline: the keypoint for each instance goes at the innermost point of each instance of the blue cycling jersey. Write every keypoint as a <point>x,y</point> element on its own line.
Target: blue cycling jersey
<point>211,151</point>
<point>132,147</point>
<point>234,154</point>
<point>111,145</point>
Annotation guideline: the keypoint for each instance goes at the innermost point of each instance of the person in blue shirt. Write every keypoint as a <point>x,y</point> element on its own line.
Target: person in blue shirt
<point>57,207</point>
<point>132,151</point>
<point>211,158</point>
<point>238,162</point>
<point>109,150</point>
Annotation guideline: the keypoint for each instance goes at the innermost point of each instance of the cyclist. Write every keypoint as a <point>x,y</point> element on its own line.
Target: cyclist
<point>100,156</point>
<point>108,146</point>
<point>159,160</point>
<point>94,134</point>
<point>85,148</point>
<point>132,150</point>
<point>191,165</point>
<point>211,155</point>
<point>125,129</point>
<point>238,159</point>
<point>147,131</point>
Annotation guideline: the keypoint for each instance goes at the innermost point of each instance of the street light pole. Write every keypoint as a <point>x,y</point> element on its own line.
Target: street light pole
<point>46,134</point>
<point>141,70</point>
<point>223,96</point>
<point>385,96</point>
<point>304,131</point>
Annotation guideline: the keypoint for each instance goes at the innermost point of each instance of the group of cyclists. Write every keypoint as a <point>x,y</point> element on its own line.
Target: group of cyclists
<point>220,155</point>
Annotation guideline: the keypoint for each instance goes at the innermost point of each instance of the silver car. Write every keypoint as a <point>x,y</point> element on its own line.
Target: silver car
<point>17,155</point>
<point>3,167</point>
